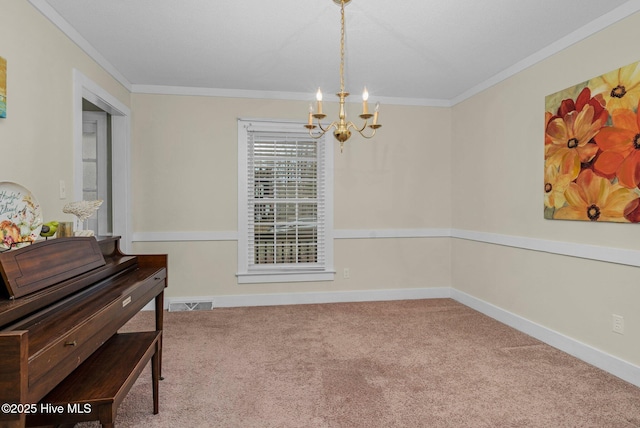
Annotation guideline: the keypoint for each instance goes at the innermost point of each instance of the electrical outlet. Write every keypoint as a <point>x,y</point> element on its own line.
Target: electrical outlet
<point>346,274</point>
<point>618,324</point>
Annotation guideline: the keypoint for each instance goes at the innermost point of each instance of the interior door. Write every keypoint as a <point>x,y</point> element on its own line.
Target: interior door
<point>96,165</point>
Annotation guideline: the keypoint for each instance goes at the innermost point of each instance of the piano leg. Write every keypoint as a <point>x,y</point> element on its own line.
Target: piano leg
<point>159,327</point>
<point>14,354</point>
<point>155,376</point>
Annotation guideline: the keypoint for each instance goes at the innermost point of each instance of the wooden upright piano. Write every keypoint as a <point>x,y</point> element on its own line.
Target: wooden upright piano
<point>62,302</point>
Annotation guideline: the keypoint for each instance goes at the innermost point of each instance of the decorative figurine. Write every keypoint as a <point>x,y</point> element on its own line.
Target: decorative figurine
<point>49,229</point>
<point>82,210</point>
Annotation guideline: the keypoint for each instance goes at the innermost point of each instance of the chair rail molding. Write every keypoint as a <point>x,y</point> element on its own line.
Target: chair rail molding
<point>573,249</point>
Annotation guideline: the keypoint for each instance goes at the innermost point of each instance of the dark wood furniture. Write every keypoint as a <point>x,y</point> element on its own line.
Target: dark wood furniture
<point>62,302</point>
<point>97,387</point>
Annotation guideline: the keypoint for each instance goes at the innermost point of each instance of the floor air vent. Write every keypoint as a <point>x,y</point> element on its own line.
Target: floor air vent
<point>190,306</point>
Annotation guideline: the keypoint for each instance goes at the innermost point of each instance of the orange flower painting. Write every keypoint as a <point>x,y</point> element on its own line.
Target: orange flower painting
<point>592,149</point>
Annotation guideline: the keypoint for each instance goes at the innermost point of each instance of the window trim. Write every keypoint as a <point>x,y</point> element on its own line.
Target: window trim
<point>271,273</point>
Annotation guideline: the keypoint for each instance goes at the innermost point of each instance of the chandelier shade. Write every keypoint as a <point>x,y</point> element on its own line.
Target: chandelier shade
<point>342,128</point>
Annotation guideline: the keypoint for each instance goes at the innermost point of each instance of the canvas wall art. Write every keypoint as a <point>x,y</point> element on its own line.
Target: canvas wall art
<point>592,149</point>
<point>3,87</point>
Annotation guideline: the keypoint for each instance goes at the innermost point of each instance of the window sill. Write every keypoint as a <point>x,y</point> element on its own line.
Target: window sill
<point>299,276</point>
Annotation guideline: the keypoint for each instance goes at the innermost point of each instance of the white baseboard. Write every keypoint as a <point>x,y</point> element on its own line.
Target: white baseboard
<point>609,363</point>
<point>616,366</point>
<point>239,300</point>
<point>275,299</point>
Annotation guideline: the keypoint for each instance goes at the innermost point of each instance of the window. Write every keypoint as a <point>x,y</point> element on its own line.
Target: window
<point>285,193</point>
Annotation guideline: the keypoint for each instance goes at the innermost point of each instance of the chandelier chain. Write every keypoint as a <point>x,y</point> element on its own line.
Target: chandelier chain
<point>342,21</point>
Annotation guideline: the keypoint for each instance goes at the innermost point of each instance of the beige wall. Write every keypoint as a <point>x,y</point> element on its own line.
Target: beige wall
<point>185,180</point>
<point>497,163</point>
<point>36,138</point>
<point>185,156</point>
<point>476,166</point>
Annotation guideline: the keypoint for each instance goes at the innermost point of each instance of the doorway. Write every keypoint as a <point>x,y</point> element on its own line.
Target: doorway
<point>119,134</point>
<point>96,166</point>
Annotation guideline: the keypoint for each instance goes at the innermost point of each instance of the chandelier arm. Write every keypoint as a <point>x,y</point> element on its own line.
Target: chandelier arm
<point>367,136</point>
<point>353,125</point>
<point>361,130</point>
<point>316,136</point>
<point>331,125</point>
<point>322,130</point>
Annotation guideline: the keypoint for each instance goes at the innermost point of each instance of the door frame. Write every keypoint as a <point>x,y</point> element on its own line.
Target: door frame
<point>99,119</point>
<point>83,87</point>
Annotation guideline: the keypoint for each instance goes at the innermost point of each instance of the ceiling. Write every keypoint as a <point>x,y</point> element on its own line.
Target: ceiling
<point>411,51</point>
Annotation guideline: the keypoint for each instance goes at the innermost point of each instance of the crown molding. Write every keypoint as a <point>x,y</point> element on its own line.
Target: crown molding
<point>582,33</point>
<point>50,13</point>
<point>272,95</point>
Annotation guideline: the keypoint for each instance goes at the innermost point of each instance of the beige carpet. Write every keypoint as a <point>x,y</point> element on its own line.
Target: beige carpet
<point>422,363</point>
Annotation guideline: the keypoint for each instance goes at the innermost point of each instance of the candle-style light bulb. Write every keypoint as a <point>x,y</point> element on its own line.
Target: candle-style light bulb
<point>319,98</point>
<point>375,114</point>
<point>365,104</point>
<point>310,114</point>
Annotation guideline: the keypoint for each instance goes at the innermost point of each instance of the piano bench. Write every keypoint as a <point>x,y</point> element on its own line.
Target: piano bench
<point>95,389</point>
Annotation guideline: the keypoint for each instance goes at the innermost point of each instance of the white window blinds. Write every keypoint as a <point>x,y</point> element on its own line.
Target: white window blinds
<point>286,199</point>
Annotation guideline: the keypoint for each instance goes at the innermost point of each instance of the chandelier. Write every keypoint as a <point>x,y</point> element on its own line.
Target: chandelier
<point>342,127</point>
